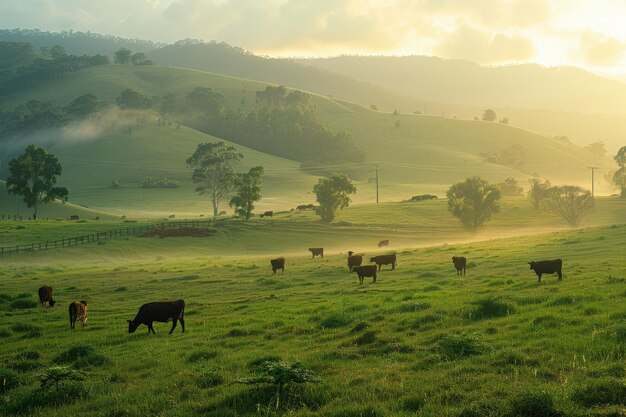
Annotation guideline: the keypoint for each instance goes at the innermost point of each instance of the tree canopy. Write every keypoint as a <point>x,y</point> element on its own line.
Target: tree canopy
<point>489,115</point>
<point>248,191</point>
<point>473,202</point>
<point>33,175</point>
<point>214,173</point>
<point>332,193</point>
<point>133,99</point>
<point>570,202</point>
<point>619,177</point>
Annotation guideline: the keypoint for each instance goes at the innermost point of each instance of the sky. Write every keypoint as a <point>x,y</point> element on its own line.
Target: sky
<point>583,33</point>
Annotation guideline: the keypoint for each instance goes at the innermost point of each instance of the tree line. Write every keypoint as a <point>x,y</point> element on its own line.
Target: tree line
<point>52,67</point>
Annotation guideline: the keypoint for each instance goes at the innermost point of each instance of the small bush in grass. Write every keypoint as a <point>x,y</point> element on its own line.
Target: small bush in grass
<point>280,375</point>
<point>360,327</point>
<point>335,320</point>
<point>209,379</point>
<point>548,322</point>
<point>27,330</point>
<point>413,404</point>
<point>5,333</point>
<point>202,356</point>
<point>600,392</point>
<point>56,375</point>
<point>534,404</point>
<point>5,297</point>
<point>366,338</point>
<point>8,380</point>
<point>25,402</point>
<point>22,304</point>
<point>491,308</point>
<point>81,356</point>
<point>22,295</point>
<point>121,289</point>
<point>458,346</point>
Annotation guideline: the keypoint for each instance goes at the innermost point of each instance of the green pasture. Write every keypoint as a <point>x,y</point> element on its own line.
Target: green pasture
<point>422,341</point>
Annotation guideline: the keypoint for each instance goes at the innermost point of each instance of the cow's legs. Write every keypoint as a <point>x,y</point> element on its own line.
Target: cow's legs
<point>539,275</point>
<point>273,271</point>
<point>150,328</point>
<point>374,278</point>
<point>174,322</point>
<point>464,270</point>
<point>182,323</point>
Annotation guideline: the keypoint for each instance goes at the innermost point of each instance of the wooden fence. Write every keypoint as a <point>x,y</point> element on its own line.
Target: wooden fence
<point>96,237</point>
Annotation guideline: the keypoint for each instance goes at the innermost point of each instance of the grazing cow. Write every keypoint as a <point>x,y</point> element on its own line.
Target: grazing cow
<point>365,271</point>
<point>172,216</point>
<point>383,243</point>
<point>354,260</point>
<point>278,263</point>
<point>161,311</point>
<point>305,207</point>
<point>45,295</point>
<point>221,213</point>
<point>74,217</point>
<point>460,263</point>
<point>381,260</point>
<point>78,311</point>
<point>317,252</point>
<point>268,214</point>
<point>547,267</point>
<point>424,197</point>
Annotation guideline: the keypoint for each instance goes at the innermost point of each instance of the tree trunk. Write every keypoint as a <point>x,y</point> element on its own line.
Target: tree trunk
<point>35,213</point>
<point>215,206</point>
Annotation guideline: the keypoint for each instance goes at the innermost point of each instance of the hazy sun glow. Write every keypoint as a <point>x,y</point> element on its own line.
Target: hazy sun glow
<point>588,34</point>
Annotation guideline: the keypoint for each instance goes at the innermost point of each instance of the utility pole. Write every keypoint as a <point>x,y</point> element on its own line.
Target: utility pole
<point>593,183</point>
<point>376,183</point>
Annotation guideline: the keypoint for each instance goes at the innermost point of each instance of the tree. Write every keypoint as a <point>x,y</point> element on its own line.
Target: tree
<point>332,194</point>
<point>538,192</point>
<point>489,115</point>
<point>597,148</point>
<point>509,187</point>
<point>248,188</point>
<point>138,58</point>
<point>122,56</point>
<point>33,175</point>
<point>619,177</point>
<point>473,202</point>
<point>133,99</point>
<point>570,202</point>
<point>214,173</point>
<point>205,100</point>
<point>83,106</point>
<point>57,51</point>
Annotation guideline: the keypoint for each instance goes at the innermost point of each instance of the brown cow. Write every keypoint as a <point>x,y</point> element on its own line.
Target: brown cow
<point>78,311</point>
<point>460,263</point>
<point>268,214</point>
<point>278,263</point>
<point>161,311</point>
<point>45,295</point>
<point>354,260</point>
<point>383,243</point>
<point>381,260</point>
<point>317,252</point>
<point>365,271</point>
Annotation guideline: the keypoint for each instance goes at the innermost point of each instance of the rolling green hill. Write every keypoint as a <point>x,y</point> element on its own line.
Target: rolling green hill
<point>424,154</point>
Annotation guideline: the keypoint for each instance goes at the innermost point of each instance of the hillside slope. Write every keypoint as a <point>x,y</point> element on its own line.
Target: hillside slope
<point>423,154</point>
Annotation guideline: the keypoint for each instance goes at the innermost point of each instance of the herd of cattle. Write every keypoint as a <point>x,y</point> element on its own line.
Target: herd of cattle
<point>165,311</point>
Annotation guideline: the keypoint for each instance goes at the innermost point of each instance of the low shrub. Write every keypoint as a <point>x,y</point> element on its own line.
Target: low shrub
<point>413,404</point>
<point>534,404</point>
<point>81,356</point>
<point>458,346</point>
<point>366,338</point>
<point>202,356</point>
<point>25,402</point>
<point>8,380</point>
<point>488,308</point>
<point>209,379</point>
<point>600,392</point>
<point>335,320</point>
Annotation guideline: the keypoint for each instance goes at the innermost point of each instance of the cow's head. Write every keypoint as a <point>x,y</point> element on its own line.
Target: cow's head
<point>132,326</point>
<point>532,264</point>
<point>83,302</point>
<point>350,253</point>
<point>373,259</point>
<point>51,302</point>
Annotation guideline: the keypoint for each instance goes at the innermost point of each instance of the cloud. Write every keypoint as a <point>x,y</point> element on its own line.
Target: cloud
<point>600,50</point>
<point>484,47</point>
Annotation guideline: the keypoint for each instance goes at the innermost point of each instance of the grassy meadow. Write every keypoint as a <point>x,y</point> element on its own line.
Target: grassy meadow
<point>422,341</point>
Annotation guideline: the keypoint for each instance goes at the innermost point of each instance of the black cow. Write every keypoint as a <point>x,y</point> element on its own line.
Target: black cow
<point>381,260</point>
<point>460,263</point>
<point>278,263</point>
<point>547,267</point>
<point>316,252</point>
<point>161,311</point>
<point>365,271</point>
<point>383,243</point>
<point>268,214</point>
<point>45,295</point>
<point>354,260</point>
<point>424,197</point>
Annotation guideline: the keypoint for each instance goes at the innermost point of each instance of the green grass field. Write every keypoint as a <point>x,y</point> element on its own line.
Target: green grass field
<point>421,341</point>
